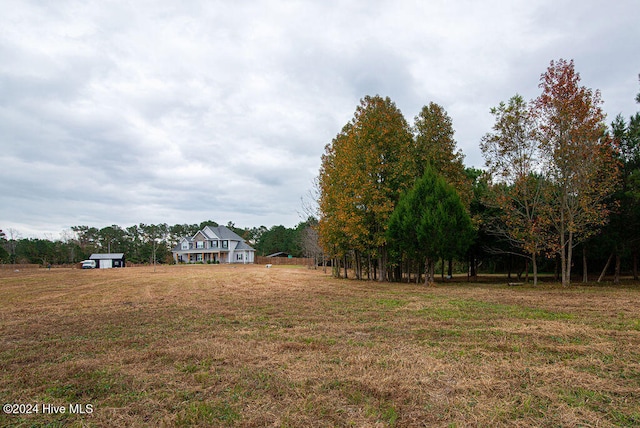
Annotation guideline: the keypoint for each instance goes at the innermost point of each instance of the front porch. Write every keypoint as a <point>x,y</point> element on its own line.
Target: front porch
<point>202,257</point>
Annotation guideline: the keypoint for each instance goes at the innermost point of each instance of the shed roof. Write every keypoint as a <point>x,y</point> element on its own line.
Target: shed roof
<point>279,254</point>
<point>107,256</point>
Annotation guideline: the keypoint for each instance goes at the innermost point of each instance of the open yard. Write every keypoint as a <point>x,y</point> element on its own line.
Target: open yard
<point>248,346</point>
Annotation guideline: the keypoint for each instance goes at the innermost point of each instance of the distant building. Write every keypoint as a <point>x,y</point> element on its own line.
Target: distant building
<point>213,245</point>
<point>280,254</point>
<point>108,261</point>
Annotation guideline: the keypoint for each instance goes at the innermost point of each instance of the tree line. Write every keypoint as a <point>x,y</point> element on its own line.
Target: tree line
<point>142,243</point>
<point>395,199</point>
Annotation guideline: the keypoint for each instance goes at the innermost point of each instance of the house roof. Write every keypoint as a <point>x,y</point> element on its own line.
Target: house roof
<point>220,233</point>
<point>107,256</point>
<point>243,246</point>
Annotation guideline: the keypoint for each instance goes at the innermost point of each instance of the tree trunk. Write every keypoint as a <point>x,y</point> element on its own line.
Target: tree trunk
<point>569,257</point>
<point>585,275</point>
<point>426,272</point>
<point>563,259</point>
<point>432,271</point>
<point>535,269</point>
<point>606,266</point>
<point>429,271</point>
<point>450,268</point>
<point>616,275</point>
<point>345,266</point>
<point>382,262</point>
<point>472,265</point>
<point>563,239</point>
<point>356,272</point>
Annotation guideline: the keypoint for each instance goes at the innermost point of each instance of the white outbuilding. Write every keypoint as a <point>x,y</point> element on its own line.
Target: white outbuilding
<point>109,260</point>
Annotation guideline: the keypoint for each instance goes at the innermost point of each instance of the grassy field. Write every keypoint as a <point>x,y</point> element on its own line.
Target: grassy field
<point>249,346</point>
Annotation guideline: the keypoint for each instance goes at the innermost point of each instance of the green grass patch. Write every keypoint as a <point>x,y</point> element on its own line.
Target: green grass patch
<point>208,413</point>
<point>390,303</point>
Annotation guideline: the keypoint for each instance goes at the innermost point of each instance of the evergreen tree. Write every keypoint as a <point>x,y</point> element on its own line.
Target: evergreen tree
<point>429,222</point>
<point>434,145</point>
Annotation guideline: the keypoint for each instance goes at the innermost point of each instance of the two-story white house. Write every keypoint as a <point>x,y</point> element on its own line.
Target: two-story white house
<point>213,245</point>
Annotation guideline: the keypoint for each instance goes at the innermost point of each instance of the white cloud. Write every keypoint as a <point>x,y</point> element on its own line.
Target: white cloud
<point>128,112</point>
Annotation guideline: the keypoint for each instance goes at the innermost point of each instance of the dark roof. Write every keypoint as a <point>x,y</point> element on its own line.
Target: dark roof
<point>221,232</point>
<point>243,246</point>
<point>218,232</point>
<point>279,254</point>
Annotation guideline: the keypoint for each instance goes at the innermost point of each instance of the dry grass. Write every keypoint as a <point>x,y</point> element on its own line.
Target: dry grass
<point>249,346</point>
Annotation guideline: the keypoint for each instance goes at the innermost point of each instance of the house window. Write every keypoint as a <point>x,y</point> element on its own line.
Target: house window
<point>238,256</point>
<point>214,244</point>
<point>225,244</point>
<point>185,245</point>
<point>199,257</point>
<point>200,244</point>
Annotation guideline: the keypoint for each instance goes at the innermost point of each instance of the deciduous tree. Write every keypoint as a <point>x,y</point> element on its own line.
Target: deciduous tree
<point>12,238</point>
<point>87,238</point>
<point>512,154</point>
<point>155,236</point>
<point>578,159</point>
<point>4,254</point>
<point>363,172</point>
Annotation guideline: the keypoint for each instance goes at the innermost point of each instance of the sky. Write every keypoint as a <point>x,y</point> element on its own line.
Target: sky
<point>128,112</point>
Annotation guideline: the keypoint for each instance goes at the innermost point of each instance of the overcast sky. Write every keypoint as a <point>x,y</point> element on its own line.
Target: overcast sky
<point>182,111</point>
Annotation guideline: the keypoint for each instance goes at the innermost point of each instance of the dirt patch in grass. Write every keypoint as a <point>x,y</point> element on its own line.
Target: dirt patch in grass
<point>248,346</point>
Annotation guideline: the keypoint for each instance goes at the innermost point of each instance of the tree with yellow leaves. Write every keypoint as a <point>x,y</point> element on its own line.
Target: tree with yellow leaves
<point>364,170</point>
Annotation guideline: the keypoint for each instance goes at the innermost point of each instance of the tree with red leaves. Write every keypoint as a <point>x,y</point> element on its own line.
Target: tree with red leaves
<point>578,159</point>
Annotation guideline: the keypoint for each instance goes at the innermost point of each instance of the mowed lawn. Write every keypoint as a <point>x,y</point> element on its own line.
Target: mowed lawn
<point>249,346</point>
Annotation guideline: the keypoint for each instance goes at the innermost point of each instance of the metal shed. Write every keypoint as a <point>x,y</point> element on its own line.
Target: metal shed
<point>107,261</point>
